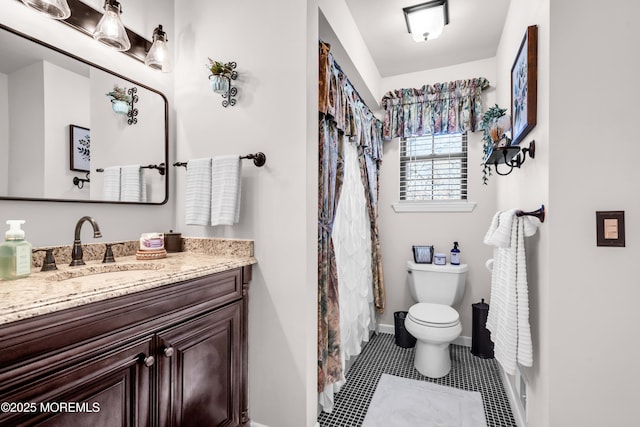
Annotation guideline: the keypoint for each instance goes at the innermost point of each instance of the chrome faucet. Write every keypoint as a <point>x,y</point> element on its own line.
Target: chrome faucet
<point>76,253</point>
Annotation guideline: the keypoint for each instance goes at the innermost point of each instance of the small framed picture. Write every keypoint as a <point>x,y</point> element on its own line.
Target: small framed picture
<point>610,228</point>
<point>79,148</point>
<point>524,86</point>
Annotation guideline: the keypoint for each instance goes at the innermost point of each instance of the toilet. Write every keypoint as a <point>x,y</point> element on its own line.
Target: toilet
<point>433,321</point>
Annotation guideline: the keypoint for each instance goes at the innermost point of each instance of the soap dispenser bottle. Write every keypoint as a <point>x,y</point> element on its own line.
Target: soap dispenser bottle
<point>15,253</point>
<point>455,254</point>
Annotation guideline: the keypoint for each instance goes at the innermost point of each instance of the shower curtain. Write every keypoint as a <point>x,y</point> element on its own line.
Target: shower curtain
<point>350,280</point>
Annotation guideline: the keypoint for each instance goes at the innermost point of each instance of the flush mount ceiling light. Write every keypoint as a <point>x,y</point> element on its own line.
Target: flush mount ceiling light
<point>426,21</point>
<point>57,9</point>
<point>110,30</point>
<point>158,56</point>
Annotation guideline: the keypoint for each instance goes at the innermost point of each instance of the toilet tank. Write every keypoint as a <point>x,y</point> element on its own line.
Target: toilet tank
<point>439,284</point>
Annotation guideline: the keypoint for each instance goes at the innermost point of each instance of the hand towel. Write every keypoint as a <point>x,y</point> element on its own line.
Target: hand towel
<point>111,183</point>
<point>508,319</point>
<point>225,189</point>
<point>132,184</point>
<point>198,192</point>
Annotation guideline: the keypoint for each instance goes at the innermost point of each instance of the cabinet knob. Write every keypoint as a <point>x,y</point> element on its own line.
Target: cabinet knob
<point>148,361</point>
<point>168,351</point>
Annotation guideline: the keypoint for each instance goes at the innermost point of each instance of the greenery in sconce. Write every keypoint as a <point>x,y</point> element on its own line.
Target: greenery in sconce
<point>84,147</point>
<point>119,94</point>
<point>488,118</point>
<point>218,68</point>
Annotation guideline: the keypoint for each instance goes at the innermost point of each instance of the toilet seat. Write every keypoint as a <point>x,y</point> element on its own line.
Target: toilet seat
<point>434,315</point>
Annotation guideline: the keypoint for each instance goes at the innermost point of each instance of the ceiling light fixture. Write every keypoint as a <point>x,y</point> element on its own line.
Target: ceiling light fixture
<point>110,30</point>
<point>158,56</point>
<point>426,21</point>
<point>56,9</point>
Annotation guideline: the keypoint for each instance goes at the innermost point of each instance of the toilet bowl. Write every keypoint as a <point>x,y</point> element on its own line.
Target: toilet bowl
<point>432,320</point>
<point>434,326</point>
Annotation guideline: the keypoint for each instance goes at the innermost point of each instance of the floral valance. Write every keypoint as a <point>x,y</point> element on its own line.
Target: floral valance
<point>338,99</point>
<point>434,109</point>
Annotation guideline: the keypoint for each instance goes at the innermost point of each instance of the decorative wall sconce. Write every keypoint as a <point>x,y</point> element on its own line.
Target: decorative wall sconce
<point>426,21</point>
<point>123,102</point>
<point>220,80</point>
<point>56,9</point>
<point>106,28</point>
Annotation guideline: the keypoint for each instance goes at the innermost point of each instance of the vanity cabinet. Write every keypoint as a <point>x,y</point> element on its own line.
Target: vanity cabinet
<point>175,355</point>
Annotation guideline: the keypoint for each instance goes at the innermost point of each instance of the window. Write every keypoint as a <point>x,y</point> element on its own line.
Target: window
<point>433,168</point>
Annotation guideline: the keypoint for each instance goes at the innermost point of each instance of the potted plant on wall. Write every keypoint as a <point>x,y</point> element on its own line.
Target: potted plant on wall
<point>495,123</point>
<point>221,75</point>
<point>120,101</point>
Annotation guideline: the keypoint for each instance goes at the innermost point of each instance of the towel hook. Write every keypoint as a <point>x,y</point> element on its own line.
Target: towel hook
<point>538,213</point>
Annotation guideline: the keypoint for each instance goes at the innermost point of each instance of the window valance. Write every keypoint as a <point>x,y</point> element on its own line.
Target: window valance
<point>440,108</point>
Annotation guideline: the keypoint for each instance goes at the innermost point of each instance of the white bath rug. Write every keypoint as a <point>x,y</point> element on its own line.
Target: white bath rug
<point>401,402</point>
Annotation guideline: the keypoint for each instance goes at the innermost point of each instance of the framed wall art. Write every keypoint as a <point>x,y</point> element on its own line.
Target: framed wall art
<point>524,86</point>
<point>79,148</point>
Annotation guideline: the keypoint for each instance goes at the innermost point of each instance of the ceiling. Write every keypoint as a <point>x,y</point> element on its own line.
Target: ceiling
<point>472,34</point>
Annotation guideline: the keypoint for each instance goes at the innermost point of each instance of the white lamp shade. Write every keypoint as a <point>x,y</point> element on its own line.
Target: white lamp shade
<point>110,29</point>
<point>427,23</point>
<point>57,9</point>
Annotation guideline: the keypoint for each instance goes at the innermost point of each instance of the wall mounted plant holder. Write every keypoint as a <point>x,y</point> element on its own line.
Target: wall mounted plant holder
<point>133,112</point>
<point>221,82</point>
<point>512,156</point>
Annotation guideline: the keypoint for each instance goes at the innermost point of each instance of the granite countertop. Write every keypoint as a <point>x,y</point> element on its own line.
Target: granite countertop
<point>67,287</point>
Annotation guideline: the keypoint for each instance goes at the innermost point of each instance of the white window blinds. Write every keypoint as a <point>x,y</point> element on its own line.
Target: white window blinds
<point>433,167</point>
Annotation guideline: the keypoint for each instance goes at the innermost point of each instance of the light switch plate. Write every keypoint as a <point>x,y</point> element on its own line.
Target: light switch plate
<point>610,228</point>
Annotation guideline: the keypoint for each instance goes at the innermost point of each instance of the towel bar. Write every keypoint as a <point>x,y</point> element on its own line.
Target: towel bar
<point>259,159</point>
<point>538,213</point>
<point>161,168</point>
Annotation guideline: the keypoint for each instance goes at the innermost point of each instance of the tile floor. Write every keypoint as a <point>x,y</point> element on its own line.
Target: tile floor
<point>382,355</point>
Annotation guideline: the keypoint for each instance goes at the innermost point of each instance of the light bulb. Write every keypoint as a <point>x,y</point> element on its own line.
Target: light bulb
<point>110,30</point>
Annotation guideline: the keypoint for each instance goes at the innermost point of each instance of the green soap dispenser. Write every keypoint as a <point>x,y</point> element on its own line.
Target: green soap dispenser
<point>15,253</point>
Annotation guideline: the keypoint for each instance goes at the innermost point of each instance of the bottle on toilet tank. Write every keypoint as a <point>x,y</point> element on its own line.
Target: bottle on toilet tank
<point>455,254</point>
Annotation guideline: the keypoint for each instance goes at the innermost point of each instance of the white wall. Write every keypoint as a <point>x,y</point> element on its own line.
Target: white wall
<point>528,188</point>
<point>594,292</point>
<point>275,46</point>
<point>50,223</point>
<point>399,231</point>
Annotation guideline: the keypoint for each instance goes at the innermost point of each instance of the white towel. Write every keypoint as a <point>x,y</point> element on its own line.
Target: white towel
<point>132,184</point>
<point>225,189</point>
<point>198,192</point>
<point>508,319</point>
<point>111,183</point>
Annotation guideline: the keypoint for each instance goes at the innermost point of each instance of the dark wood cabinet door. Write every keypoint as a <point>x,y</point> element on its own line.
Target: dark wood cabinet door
<point>111,389</point>
<point>199,370</point>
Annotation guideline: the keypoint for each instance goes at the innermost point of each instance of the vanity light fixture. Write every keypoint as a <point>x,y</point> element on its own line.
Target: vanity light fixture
<point>158,56</point>
<point>426,21</point>
<point>110,30</point>
<point>56,9</point>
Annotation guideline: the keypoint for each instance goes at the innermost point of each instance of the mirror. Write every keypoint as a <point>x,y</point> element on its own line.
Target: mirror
<point>61,138</point>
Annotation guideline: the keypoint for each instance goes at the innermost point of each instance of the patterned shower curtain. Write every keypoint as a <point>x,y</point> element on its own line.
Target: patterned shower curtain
<point>342,115</point>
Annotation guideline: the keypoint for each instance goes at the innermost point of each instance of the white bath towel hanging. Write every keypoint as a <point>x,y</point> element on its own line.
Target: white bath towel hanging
<point>198,192</point>
<point>508,319</point>
<point>111,183</point>
<point>132,184</point>
<point>225,189</point>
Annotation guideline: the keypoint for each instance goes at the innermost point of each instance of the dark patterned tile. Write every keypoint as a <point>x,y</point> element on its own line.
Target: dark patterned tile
<point>382,356</point>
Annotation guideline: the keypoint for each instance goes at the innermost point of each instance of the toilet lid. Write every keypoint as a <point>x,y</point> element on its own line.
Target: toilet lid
<point>434,315</point>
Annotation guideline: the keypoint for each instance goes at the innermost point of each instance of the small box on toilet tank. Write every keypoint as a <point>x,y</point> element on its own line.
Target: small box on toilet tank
<point>440,259</point>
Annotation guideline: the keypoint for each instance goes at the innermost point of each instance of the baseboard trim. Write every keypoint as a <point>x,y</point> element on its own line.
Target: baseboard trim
<point>255,424</point>
<point>391,329</point>
<point>513,398</point>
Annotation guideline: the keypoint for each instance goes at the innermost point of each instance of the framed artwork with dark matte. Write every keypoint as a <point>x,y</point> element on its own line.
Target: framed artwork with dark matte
<point>79,147</point>
<point>524,86</point>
